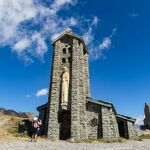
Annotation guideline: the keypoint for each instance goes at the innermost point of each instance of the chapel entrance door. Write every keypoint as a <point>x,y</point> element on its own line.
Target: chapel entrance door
<point>65,125</point>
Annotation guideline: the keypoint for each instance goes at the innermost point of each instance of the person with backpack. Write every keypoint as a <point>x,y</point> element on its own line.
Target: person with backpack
<point>35,128</point>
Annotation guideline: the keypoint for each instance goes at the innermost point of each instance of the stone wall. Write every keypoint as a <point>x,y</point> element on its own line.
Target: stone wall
<point>53,100</point>
<point>131,130</point>
<point>109,123</point>
<point>86,75</point>
<point>78,101</point>
<point>93,121</point>
<point>113,124</point>
<point>75,129</point>
<point>75,59</point>
<point>101,122</point>
<point>82,94</point>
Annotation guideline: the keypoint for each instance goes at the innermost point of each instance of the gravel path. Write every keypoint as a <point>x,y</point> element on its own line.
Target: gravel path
<point>62,145</point>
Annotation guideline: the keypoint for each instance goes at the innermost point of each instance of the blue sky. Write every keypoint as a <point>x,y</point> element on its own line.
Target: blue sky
<point>117,35</point>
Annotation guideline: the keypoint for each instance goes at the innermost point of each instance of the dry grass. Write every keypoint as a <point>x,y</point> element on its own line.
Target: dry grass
<point>144,136</point>
<point>9,130</point>
<point>9,127</point>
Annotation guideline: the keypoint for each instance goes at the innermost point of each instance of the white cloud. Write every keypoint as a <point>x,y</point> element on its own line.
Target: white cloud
<point>54,36</point>
<point>41,47</point>
<point>42,92</point>
<point>12,14</point>
<point>88,36</point>
<point>26,25</point>
<point>139,120</point>
<point>72,21</point>
<point>21,45</point>
<point>97,51</point>
<point>114,31</point>
<point>96,48</point>
<point>95,21</point>
<point>133,15</point>
<point>105,44</point>
<point>57,4</point>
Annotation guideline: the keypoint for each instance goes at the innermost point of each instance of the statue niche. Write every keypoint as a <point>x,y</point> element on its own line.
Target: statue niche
<point>64,87</point>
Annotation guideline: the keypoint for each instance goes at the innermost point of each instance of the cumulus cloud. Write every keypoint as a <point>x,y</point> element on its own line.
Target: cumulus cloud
<point>26,25</point>
<point>12,13</point>
<point>139,120</point>
<point>42,92</point>
<point>19,46</point>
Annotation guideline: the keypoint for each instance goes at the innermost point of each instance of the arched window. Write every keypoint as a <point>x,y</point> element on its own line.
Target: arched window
<point>64,50</point>
<point>63,60</point>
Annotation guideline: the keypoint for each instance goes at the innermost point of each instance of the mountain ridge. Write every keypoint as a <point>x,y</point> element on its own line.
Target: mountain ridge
<point>11,112</point>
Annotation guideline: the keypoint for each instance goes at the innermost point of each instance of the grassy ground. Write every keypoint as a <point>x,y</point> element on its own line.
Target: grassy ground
<point>145,136</point>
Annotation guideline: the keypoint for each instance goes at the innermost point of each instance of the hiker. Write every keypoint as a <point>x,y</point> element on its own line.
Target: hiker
<point>35,128</point>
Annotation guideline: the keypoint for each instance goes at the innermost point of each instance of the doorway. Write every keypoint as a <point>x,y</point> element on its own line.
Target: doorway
<point>65,125</point>
<point>121,127</point>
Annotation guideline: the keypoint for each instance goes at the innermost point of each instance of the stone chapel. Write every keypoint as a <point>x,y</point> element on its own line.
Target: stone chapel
<point>70,112</point>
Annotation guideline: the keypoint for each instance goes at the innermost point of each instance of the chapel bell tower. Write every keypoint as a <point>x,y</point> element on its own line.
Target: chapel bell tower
<point>69,88</point>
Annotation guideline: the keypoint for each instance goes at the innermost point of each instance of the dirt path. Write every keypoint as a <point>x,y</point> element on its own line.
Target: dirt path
<point>3,122</point>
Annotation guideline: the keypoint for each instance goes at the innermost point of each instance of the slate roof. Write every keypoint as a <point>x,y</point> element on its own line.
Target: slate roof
<point>42,107</point>
<point>101,102</point>
<point>126,117</point>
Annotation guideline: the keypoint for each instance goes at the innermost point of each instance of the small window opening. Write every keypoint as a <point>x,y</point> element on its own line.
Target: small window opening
<point>64,51</point>
<point>63,60</point>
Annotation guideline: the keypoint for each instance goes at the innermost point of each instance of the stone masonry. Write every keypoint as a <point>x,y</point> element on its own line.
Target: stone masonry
<point>53,103</point>
<point>80,117</point>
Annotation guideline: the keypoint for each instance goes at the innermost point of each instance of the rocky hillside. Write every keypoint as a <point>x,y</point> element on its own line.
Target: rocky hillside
<point>9,121</point>
<point>13,113</point>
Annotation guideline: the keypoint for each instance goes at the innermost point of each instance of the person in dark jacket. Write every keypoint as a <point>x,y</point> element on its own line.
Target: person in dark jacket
<point>36,123</point>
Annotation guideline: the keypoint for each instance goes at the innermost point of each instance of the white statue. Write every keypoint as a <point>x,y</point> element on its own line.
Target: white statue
<point>65,86</point>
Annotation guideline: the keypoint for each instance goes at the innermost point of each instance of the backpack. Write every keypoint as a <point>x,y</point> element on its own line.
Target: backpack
<point>35,125</point>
